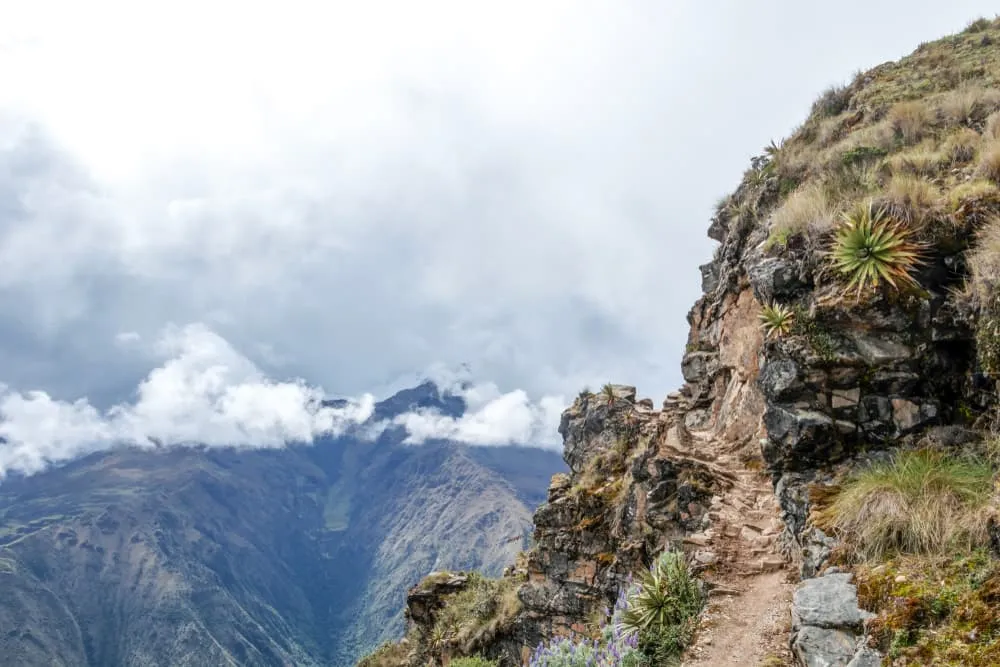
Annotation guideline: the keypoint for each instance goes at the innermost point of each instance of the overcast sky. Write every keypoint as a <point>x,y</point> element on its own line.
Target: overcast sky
<point>350,193</point>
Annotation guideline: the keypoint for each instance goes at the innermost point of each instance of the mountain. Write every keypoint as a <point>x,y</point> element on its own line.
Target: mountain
<point>822,489</point>
<point>297,556</point>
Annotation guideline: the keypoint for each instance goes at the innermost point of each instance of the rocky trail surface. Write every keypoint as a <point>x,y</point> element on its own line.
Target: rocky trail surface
<point>747,619</point>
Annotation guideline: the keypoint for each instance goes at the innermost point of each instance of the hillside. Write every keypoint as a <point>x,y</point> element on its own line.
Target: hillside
<point>298,556</point>
<point>821,490</point>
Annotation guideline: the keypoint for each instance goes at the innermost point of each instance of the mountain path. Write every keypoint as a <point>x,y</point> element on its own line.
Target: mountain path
<point>747,619</point>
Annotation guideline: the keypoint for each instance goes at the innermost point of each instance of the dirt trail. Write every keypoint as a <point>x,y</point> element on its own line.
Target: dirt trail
<point>747,620</point>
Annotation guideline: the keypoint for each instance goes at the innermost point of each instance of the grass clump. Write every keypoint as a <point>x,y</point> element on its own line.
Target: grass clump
<point>989,162</point>
<point>870,247</point>
<point>922,502</point>
<point>911,199</point>
<point>984,288</point>
<point>475,661</point>
<point>475,615</point>
<point>807,209</point>
<point>960,147</point>
<point>911,120</point>
<point>389,654</point>
<point>777,320</point>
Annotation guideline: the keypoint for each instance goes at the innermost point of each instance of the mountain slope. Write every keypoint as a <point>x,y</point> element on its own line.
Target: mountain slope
<point>271,557</point>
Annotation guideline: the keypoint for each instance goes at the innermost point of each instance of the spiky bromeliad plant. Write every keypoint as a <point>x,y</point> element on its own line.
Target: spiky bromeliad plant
<point>663,607</point>
<point>870,247</point>
<point>777,320</point>
<point>608,392</point>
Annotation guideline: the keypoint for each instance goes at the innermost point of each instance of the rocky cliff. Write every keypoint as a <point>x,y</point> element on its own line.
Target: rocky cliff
<point>799,373</point>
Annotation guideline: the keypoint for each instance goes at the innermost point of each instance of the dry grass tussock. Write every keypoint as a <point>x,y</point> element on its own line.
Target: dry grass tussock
<point>911,120</point>
<point>967,105</point>
<point>923,160</point>
<point>911,199</point>
<point>922,502</point>
<point>989,162</point>
<point>984,262</point>
<point>807,210</point>
<point>476,614</point>
<point>992,127</point>
<point>960,147</point>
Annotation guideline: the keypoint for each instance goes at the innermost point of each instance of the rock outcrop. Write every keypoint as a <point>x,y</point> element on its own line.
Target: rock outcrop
<point>734,459</point>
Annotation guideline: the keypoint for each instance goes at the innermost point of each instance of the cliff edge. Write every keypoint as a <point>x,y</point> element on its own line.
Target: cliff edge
<point>828,467</point>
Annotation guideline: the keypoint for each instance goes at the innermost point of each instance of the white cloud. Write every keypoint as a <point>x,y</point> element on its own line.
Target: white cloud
<point>351,191</point>
<point>206,393</point>
<point>492,418</point>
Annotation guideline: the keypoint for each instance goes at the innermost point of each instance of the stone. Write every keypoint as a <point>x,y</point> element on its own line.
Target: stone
<point>799,439</point>
<point>845,398</point>
<point>698,366</point>
<point>822,647</point>
<point>830,601</point>
<point>866,657</point>
<point>880,351</point>
<point>709,277</point>
<point>905,414</point>
<point>774,278</point>
<point>779,379</point>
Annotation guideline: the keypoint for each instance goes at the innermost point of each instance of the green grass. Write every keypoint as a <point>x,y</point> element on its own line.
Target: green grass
<point>475,661</point>
<point>935,611</point>
<point>922,502</point>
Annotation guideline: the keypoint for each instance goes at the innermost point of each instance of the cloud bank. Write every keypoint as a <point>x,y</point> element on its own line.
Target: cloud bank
<point>349,192</point>
<point>206,393</point>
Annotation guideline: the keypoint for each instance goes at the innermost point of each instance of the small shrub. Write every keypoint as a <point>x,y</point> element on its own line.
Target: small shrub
<point>910,120</point>
<point>979,25</point>
<point>807,210</point>
<point>922,502</point>
<point>832,102</point>
<point>777,320</point>
<point>608,393</point>
<point>869,248</point>
<point>989,162</point>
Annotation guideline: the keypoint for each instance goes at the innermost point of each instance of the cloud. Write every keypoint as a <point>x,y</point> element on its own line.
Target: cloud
<point>491,418</point>
<point>352,192</point>
<point>206,393</point>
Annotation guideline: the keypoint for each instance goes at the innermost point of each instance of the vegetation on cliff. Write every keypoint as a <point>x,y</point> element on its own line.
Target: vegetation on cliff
<point>848,344</point>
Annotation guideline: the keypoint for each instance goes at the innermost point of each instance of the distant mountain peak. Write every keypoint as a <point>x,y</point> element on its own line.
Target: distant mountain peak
<point>425,396</point>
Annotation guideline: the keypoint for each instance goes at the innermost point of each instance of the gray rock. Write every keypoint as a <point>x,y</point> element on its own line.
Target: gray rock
<point>830,601</point>
<point>822,647</point>
<point>866,657</point>
<point>698,366</point>
<point>779,379</point>
<point>709,277</point>
<point>881,351</point>
<point>774,278</point>
<point>800,439</point>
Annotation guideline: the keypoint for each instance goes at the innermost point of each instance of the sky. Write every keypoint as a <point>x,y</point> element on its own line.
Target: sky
<point>249,205</point>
